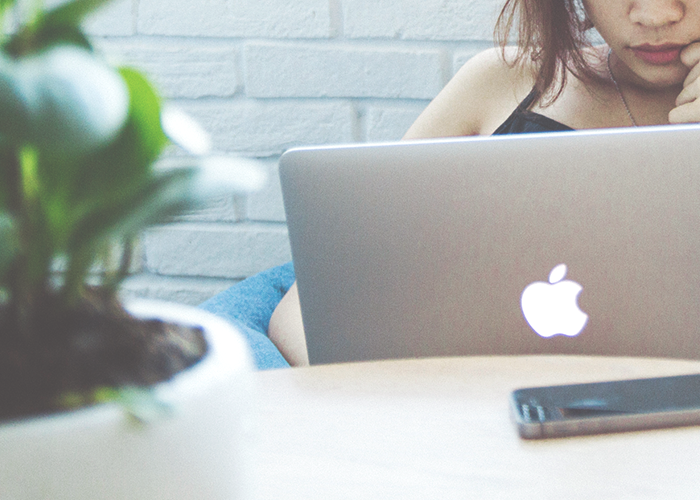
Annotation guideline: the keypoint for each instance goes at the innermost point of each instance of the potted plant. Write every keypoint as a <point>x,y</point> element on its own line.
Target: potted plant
<point>99,400</point>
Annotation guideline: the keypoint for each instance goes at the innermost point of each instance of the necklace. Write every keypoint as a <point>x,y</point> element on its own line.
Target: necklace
<point>619,92</point>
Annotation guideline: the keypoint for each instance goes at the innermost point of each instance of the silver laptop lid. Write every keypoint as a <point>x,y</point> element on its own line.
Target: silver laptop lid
<point>426,248</point>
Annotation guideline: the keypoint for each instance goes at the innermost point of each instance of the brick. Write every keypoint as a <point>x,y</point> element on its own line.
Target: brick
<point>236,18</point>
<point>266,128</point>
<point>390,123</point>
<point>230,208</point>
<point>114,19</point>
<point>268,205</point>
<point>215,250</point>
<point>190,291</point>
<point>181,69</point>
<point>220,203</point>
<point>463,55</point>
<point>320,70</point>
<point>421,19</point>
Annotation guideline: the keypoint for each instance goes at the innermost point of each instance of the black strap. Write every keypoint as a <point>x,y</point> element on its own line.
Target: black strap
<point>529,100</point>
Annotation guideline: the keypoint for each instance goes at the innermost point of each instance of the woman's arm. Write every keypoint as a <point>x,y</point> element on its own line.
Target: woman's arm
<point>480,97</point>
<point>286,329</point>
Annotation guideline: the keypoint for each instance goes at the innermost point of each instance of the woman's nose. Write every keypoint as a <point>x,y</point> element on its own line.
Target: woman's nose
<point>657,13</point>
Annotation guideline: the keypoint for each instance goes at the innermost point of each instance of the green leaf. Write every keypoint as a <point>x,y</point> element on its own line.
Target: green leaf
<point>123,164</point>
<point>37,242</point>
<point>13,101</point>
<point>72,13</point>
<point>145,115</point>
<point>77,189</point>
<point>65,101</point>
<point>36,38</point>
<point>58,26</point>
<point>139,403</point>
<point>5,5</point>
<point>159,198</point>
<point>112,175</point>
<point>42,38</point>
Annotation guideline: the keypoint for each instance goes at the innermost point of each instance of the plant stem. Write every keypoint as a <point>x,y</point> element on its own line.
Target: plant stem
<point>13,177</point>
<point>28,190</point>
<point>78,267</point>
<point>37,243</point>
<point>113,279</point>
<point>29,278</point>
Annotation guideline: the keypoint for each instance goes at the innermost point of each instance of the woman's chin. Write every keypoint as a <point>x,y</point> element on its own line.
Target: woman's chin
<point>661,78</point>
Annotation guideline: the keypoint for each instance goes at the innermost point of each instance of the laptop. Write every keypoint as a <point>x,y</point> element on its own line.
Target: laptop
<point>582,242</point>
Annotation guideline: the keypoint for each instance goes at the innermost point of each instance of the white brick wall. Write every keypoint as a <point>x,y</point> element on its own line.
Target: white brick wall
<point>266,75</point>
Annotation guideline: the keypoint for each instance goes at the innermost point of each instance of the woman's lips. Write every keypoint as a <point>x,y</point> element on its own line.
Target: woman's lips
<point>658,54</point>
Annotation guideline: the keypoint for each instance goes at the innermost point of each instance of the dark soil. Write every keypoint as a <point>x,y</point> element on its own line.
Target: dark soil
<point>95,345</point>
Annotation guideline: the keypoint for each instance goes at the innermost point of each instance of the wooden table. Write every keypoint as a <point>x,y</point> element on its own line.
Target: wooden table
<point>440,429</point>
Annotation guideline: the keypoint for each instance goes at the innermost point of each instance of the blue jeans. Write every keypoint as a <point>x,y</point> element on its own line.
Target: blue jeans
<point>248,305</point>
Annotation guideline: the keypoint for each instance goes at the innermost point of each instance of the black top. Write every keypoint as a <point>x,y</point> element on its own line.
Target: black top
<point>523,121</point>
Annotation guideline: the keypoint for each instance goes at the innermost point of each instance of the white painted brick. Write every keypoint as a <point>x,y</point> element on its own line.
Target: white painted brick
<point>224,207</point>
<point>421,19</point>
<point>266,128</point>
<point>215,250</point>
<point>463,55</point>
<point>114,19</point>
<point>180,69</point>
<point>236,18</point>
<point>191,291</point>
<point>268,205</point>
<point>229,208</point>
<point>390,123</point>
<point>315,70</point>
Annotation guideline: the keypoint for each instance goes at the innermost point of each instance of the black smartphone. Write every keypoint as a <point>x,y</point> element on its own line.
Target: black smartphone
<point>602,407</point>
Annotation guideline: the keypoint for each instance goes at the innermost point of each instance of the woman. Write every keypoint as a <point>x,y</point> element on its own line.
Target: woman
<point>647,73</point>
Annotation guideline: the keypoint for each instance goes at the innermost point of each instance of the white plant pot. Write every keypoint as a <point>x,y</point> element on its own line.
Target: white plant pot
<point>197,452</point>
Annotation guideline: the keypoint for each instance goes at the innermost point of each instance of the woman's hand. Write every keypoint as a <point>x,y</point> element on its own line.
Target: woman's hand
<point>687,108</point>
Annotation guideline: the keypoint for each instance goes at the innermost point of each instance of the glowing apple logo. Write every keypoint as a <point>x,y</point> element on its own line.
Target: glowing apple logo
<point>551,308</point>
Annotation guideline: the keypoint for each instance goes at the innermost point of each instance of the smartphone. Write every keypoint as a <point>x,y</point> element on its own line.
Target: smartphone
<point>602,407</point>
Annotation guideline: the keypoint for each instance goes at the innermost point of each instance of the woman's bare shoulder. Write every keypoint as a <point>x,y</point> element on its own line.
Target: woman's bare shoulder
<point>479,97</point>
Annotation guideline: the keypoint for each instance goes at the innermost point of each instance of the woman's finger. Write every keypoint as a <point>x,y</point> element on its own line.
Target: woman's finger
<point>686,113</point>
<point>690,55</point>
<point>689,93</point>
<point>692,76</point>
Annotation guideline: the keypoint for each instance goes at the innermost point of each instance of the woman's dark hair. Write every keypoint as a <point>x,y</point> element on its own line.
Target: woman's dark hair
<point>550,33</point>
